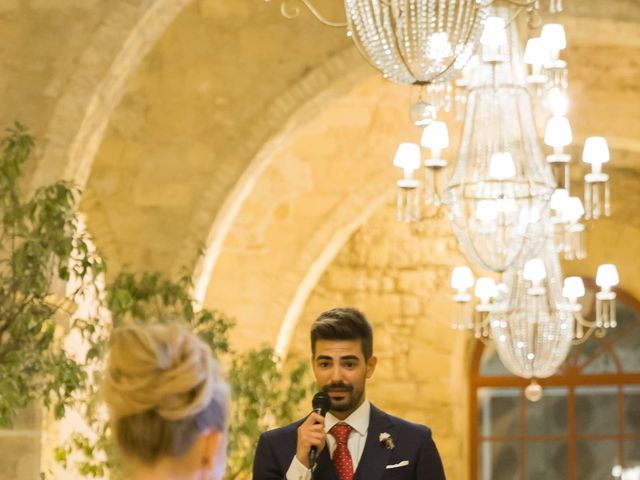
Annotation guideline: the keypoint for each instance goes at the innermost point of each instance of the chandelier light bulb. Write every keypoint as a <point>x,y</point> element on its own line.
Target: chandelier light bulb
<point>607,276</point>
<point>501,166</point>
<point>438,46</point>
<point>408,158</point>
<point>573,288</point>
<point>534,271</point>
<point>486,211</point>
<point>558,102</point>
<point>461,279</point>
<point>554,38</point>
<point>558,133</point>
<point>436,137</point>
<point>485,290</point>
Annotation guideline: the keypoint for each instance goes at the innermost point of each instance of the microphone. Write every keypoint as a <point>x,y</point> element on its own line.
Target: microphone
<point>321,404</point>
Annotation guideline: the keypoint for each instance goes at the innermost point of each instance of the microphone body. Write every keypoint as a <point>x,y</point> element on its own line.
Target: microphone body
<point>321,404</point>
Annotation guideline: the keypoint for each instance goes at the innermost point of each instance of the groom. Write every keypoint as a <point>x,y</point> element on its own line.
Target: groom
<point>356,440</point>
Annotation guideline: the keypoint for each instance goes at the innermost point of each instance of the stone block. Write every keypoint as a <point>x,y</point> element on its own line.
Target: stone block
<point>20,459</point>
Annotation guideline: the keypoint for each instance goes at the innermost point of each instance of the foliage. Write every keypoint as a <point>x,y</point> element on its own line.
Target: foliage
<point>262,394</point>
<point>41,247</point>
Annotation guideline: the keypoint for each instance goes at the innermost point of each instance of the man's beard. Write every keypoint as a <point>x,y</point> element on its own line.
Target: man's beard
<point>350,392</point>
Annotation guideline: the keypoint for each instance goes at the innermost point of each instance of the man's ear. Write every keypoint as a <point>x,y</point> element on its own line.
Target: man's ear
<point>211,441</point>
<point>371,365</point>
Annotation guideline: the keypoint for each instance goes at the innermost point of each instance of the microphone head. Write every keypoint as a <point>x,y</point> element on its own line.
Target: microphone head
<point>321,403</point>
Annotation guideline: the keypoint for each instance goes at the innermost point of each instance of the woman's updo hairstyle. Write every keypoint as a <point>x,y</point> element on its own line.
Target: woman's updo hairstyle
<point>163,389</point>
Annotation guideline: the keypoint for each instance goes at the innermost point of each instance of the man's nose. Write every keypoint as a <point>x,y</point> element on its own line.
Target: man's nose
<point>336,374</point>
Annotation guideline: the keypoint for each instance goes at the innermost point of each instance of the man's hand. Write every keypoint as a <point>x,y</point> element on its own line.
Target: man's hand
<point>310,434</point>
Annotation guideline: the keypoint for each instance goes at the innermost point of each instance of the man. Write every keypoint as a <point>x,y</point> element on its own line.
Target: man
<point>356,440</point>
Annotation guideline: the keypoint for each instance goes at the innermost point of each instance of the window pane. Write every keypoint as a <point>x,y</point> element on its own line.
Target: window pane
<point>498,411</point>
<point>602,364</point>
<point>548,416</point>
<point>626,349</point>
<point>596,459</point>
<point>498,461</point>
<point>632,408</point>
<point>596,410</point>
<point>546,461</point>
<point>632,453</point>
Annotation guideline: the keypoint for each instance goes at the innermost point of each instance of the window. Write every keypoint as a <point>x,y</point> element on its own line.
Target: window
<point>587,421</point>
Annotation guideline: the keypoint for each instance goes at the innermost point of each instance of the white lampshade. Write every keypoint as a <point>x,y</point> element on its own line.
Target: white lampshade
<point>486,210</point>
<point>494,33</point>
<point>558,102</point>
<point>572,210</point>
<point>558,132</point>
<point>573,288</point>
<point>558,199</point>
<point>461,278</point>
<point>501,166</point>
<point>607,276</point>
<point>534,270</point>
<point>553,36</point>
<point>485,289</point>
<point>435,135</point>
<point>595,150</point>
<point>407,156</point>
<point>536,52</point>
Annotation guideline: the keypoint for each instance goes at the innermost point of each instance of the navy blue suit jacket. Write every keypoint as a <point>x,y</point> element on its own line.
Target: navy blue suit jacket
<point>413,443</point>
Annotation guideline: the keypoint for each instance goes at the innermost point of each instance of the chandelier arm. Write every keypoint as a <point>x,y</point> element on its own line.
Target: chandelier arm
<point>293,12</point>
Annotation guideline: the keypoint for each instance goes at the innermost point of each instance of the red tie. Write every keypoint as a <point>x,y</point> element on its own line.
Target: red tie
<point>341,455</point>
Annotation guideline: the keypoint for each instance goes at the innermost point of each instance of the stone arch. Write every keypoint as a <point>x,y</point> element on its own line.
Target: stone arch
<point>97,85</point>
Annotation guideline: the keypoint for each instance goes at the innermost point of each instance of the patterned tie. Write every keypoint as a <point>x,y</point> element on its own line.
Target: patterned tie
<point>341,455</point>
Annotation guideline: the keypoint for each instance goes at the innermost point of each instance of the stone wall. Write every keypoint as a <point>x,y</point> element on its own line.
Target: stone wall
<point>398,275</point>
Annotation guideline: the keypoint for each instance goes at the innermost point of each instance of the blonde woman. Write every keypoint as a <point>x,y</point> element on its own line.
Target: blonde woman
<point>167,403</point>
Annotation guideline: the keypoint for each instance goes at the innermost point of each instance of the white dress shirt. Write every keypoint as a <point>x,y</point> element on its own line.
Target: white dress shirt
<point>359,422</point>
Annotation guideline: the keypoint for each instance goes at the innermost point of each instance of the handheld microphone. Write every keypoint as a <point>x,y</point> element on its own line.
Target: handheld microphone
<point>321,404</point>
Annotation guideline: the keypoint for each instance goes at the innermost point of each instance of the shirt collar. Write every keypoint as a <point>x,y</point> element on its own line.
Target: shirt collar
<point>358,420</point>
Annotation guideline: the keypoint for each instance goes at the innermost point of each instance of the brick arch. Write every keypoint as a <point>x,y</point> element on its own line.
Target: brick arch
<point>95,88</point>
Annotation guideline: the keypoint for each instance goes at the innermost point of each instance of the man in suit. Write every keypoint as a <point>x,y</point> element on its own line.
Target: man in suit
<point>356,440</point>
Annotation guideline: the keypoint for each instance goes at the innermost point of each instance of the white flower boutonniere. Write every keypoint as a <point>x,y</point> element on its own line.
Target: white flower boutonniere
<point>386,440</point>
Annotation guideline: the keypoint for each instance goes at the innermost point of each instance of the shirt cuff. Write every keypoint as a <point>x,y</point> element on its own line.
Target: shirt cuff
<point>297,471</point>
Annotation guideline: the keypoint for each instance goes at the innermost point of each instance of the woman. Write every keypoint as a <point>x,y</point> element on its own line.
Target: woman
<point>167,403</point>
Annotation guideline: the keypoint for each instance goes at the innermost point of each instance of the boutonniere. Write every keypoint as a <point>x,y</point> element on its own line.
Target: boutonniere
<point>386,440</point>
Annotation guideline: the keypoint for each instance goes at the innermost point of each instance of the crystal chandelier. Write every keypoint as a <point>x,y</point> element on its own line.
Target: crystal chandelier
<point>498,197</point>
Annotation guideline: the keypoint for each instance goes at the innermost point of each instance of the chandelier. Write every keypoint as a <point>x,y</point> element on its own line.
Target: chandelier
<point>498,197</point>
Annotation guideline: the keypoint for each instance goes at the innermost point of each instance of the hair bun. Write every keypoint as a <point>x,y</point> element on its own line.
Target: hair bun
<point>159,367</point>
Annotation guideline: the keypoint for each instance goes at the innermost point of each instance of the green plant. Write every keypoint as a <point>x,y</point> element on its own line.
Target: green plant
<point>41,246</point>
<point>261,392</point>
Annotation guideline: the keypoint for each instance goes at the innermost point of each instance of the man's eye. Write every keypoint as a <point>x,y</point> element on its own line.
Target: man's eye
<point>350,365</point>
<point>324,364</point>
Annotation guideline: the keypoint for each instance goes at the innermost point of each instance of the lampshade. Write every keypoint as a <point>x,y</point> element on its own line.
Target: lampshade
<point>485,289</point>
<point>558,132</point>
<point>501,166</point>
<point>435,135</point>
<point>572,210</point>
<point>494,34</point>
<point>553,36</point>
<point>607,276</point>
<point>558,199</point>
<point>557,102</point>
<point>407,156</point>
<point>534,270</point>
<point>536,53</point>
<point>573,288</point>
<point>595,150</point>
<point>461,278</point>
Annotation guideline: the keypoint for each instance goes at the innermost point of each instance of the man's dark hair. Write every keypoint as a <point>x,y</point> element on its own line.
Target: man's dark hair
<point>343,324</point>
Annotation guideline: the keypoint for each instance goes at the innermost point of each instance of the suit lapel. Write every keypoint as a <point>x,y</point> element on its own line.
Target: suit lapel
<point>324,468</point>
<point>375,456</point>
